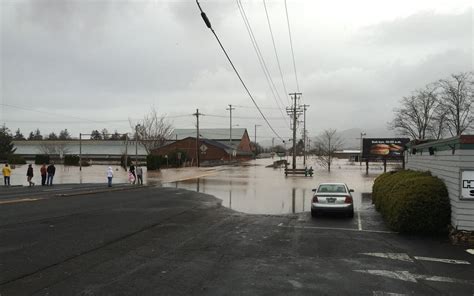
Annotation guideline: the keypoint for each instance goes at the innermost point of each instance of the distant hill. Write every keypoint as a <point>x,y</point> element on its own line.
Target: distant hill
<point>350,137</point>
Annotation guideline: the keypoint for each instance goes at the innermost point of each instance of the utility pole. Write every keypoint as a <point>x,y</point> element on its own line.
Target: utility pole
<point>362,134</point>
<point>294,112</point>
<point>304,134</point>
<point>80,151</point>
<point>136,143</point>
<point>255,139</point>
<point>230,113</point>
<point>197,137</point>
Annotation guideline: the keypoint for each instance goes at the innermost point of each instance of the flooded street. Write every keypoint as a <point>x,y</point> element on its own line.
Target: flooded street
<point>250,188</point>
<point>255,189</point>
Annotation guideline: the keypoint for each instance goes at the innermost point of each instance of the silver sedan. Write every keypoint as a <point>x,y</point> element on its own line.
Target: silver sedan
<point>332,197</point>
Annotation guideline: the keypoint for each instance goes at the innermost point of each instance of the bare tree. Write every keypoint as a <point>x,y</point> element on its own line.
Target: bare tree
<point>152,131</point>
<point>456,102</point>
<point>328,143</point>
<point>415,116</point>
<point>54,148</point>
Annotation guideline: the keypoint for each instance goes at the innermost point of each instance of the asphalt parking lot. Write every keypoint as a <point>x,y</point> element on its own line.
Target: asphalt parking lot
<point>167,241</point>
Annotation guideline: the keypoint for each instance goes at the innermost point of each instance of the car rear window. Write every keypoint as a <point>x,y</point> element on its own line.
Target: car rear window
<point>332,188</point>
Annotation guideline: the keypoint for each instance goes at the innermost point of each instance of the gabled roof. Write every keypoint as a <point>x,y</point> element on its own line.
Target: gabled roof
<point>217,144</point>
<point>209,133</point>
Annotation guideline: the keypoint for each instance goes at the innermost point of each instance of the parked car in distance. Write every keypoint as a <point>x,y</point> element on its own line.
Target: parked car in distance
<point>332,197</point>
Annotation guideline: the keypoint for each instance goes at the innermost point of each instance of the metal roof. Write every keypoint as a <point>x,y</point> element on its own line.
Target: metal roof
<point>209,133</point>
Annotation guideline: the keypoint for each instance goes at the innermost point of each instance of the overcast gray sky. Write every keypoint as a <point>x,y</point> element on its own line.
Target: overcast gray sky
<point>86,65</point>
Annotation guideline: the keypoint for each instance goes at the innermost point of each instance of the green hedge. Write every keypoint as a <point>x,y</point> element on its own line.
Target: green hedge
<point>154,162</point>
<point>412,202</point>
<point>16,159</point>
<point>41,158</point>
<point>385,183</point>
<point>71,160</point>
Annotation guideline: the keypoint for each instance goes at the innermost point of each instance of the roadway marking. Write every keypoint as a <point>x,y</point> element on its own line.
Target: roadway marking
<point>470,251</point>
<point>450,261</point>
<point>381,293</point>
<point>393,256</point>
<point>359,222</point>
<point>56,189</point>
<point>3,202</point>
<point>406,258</point>
<point>336,228</point>
<point>406,276</point>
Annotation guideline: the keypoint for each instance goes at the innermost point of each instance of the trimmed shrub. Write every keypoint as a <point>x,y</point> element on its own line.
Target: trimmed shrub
<point>154,162</point>
<point>41,158</point>
<point>16,159</point>
<point>71,160</point>
<point>384,184</point>
<point>418,205</point>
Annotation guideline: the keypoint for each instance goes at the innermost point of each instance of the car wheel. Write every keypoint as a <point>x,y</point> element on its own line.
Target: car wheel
<point>313,213</point>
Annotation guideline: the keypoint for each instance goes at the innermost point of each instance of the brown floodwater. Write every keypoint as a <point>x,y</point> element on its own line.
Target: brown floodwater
<point>254,188</point>
<point>250,187</point>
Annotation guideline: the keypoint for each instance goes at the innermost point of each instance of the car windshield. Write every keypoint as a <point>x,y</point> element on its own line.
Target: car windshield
<point>332,188</point>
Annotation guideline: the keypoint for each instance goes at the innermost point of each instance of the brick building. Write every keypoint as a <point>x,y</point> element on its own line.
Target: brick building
<point>239,139</point>
<point>210,151</point>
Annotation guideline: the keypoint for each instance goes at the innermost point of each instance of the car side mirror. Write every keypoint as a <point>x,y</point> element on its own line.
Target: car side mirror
<point>314,190</point>
<point>351,190</point>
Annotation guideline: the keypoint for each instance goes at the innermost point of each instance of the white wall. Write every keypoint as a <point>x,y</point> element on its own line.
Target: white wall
<point>447,167</point>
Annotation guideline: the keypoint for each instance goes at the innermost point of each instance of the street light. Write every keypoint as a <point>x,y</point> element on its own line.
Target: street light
<point>362,134</point>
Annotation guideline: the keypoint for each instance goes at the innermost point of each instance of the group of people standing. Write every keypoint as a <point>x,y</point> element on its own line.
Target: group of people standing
<point>47,174</point>
<point>135,175</point>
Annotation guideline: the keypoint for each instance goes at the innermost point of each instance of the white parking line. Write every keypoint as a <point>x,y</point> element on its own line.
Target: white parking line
<point>407,276</point>
<point>336,228</point>
<point>406,258</point>
<point>382,293</point>
<point>359,222</point>
<point>450,261</point>
<point>470,251</point>
<point>393,256</point>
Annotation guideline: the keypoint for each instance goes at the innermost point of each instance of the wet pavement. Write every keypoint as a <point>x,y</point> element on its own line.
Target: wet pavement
<point>167,241</point>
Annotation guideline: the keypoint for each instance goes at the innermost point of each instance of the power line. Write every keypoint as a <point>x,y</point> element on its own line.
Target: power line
<point>275,50</point>
<point>261,60</point>
<point>208,24</point>
<point>291,44</point>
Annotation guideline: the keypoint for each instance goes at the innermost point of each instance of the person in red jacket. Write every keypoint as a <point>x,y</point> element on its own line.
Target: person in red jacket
<point>43,174</point>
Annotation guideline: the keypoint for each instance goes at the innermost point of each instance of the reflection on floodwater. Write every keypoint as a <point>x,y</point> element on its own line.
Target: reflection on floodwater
<point>250,187</point>
<point>255,189</point>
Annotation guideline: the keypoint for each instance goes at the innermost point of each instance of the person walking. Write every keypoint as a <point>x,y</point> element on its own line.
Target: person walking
<point>110,175</point>
<point>139,171</point>
<point>43,174</point>
<point>51,170</point>
<point>132,171</point>
<point>29,175</point>
<point>6,171</point>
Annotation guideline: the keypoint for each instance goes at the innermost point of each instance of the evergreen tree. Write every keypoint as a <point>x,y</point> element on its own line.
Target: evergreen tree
<point>52,136</point>
<point>115,136</point>
<point>37,135</point>
<point>18,135</point>
<point>31,136</point>
<point>96,135</point>
<point>6,146</point>
<point>64,135</point>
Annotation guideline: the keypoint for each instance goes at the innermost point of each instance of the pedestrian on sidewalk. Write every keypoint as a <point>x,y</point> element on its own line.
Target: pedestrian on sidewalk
<point>131,177</point>
<point>139,175</point>
<point>43,174</point>
<point>51,170</point>
<point>29,175</point>
<point>132,171</point>
<point>110,175</point>
<point>6,171</point>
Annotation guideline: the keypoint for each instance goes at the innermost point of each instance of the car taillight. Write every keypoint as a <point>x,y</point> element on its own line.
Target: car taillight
<point>315,199</point>
<point>348,199</point>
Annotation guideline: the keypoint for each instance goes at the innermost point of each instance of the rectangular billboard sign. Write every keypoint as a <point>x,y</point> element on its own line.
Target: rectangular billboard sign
<point>467,184</point>
<point>383,148</point>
